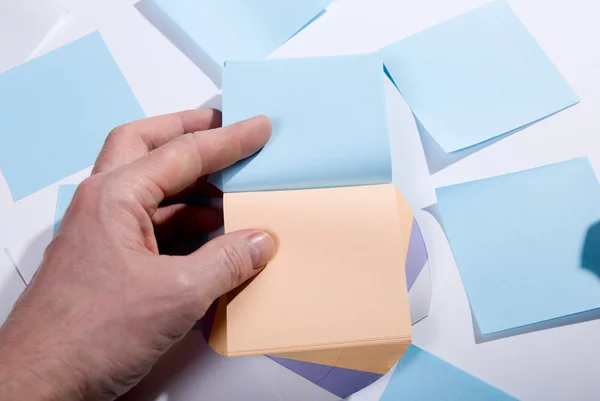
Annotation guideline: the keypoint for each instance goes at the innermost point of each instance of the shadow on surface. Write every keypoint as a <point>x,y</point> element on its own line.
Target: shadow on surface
<point>215,102</point>
<point>437,159</point>
<point>434,210</point>
<point>548,324</point>
<point>590,254</point>
<point>183,354</point>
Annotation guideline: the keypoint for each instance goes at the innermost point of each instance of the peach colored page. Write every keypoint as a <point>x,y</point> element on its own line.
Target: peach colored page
<point>338,277</point>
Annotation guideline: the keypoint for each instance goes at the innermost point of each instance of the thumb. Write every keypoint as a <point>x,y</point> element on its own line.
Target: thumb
<point>227,261</point>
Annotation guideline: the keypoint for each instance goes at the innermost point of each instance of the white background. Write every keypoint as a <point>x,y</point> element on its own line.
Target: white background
<point>554,364</point>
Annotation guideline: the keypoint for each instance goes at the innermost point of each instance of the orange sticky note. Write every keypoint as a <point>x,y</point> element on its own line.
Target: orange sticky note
<point>335,293</point>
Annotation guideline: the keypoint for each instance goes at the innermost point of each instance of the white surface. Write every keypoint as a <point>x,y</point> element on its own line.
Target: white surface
<point>31,223</point>
<point>11,285</point>
<point>419,296</point>
<point>555,364</point>
<point>24,25</point>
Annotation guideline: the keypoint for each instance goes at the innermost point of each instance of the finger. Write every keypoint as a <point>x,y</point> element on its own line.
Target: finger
<point>173,167</point>
<point>133,140</point>
<point>225,262</point>
<point>185,220</point>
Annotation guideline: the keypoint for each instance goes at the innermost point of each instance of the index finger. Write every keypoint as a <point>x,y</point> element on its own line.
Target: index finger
<point>175,166</point>
<point>133,140</point>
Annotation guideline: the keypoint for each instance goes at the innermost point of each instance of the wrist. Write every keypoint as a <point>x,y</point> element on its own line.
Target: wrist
<point>27,372</point>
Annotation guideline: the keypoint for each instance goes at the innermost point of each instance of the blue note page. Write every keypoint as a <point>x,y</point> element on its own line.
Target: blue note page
<point>525,243</point>
<point>476,77</point>
<point>56,111</point>
<point>420,376</point>
<point>329,122</point>
<point>237,29</point>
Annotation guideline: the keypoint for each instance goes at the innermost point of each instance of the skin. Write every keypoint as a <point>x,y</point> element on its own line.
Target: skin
<point>105,304</point>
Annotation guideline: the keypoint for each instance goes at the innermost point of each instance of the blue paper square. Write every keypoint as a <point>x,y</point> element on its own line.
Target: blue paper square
<point>329,122</point>
<point>420,376</point>
<point>56,111</point>
<point>526,244</point>
<point>232,29</point>
<point>476,77</point>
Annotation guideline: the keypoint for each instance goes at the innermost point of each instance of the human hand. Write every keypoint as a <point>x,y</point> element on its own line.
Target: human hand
<point>104,304</point>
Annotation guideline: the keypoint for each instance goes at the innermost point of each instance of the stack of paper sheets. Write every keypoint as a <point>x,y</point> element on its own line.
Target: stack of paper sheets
<point>335,294</point>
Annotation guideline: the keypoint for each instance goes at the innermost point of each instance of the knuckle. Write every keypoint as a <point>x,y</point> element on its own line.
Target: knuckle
<point>178,151</point>
<point>232,263</point>
<point>183,281</point>
<point>118,133</point>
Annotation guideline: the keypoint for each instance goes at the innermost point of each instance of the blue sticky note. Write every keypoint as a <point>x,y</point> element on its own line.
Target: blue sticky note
<point>524,243</point>
<point>65,195</point>
<point>420,376</point>
<point>221,30</point>
<point>476,77</point>
<point>329,122</point>
<point>56,111</point>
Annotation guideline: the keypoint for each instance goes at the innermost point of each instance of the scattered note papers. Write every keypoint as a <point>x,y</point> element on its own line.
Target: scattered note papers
<point>56,111</point>
<point>24,26</point>
<point>519,242</point>
<point>476,77</point>
<point>420,376</point>
<point>211,32</point>
<point>329,122</point>
<point>65,195</point>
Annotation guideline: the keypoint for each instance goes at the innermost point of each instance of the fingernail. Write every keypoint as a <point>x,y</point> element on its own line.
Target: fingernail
<point>261,248</point>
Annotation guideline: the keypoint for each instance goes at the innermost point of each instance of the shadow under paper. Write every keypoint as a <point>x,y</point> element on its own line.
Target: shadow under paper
<point>590,254</point>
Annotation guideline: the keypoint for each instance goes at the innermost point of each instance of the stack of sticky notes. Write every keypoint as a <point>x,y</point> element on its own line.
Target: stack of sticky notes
<point>210,32</point>
<point>476,77</point>
<point>335,295</point>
